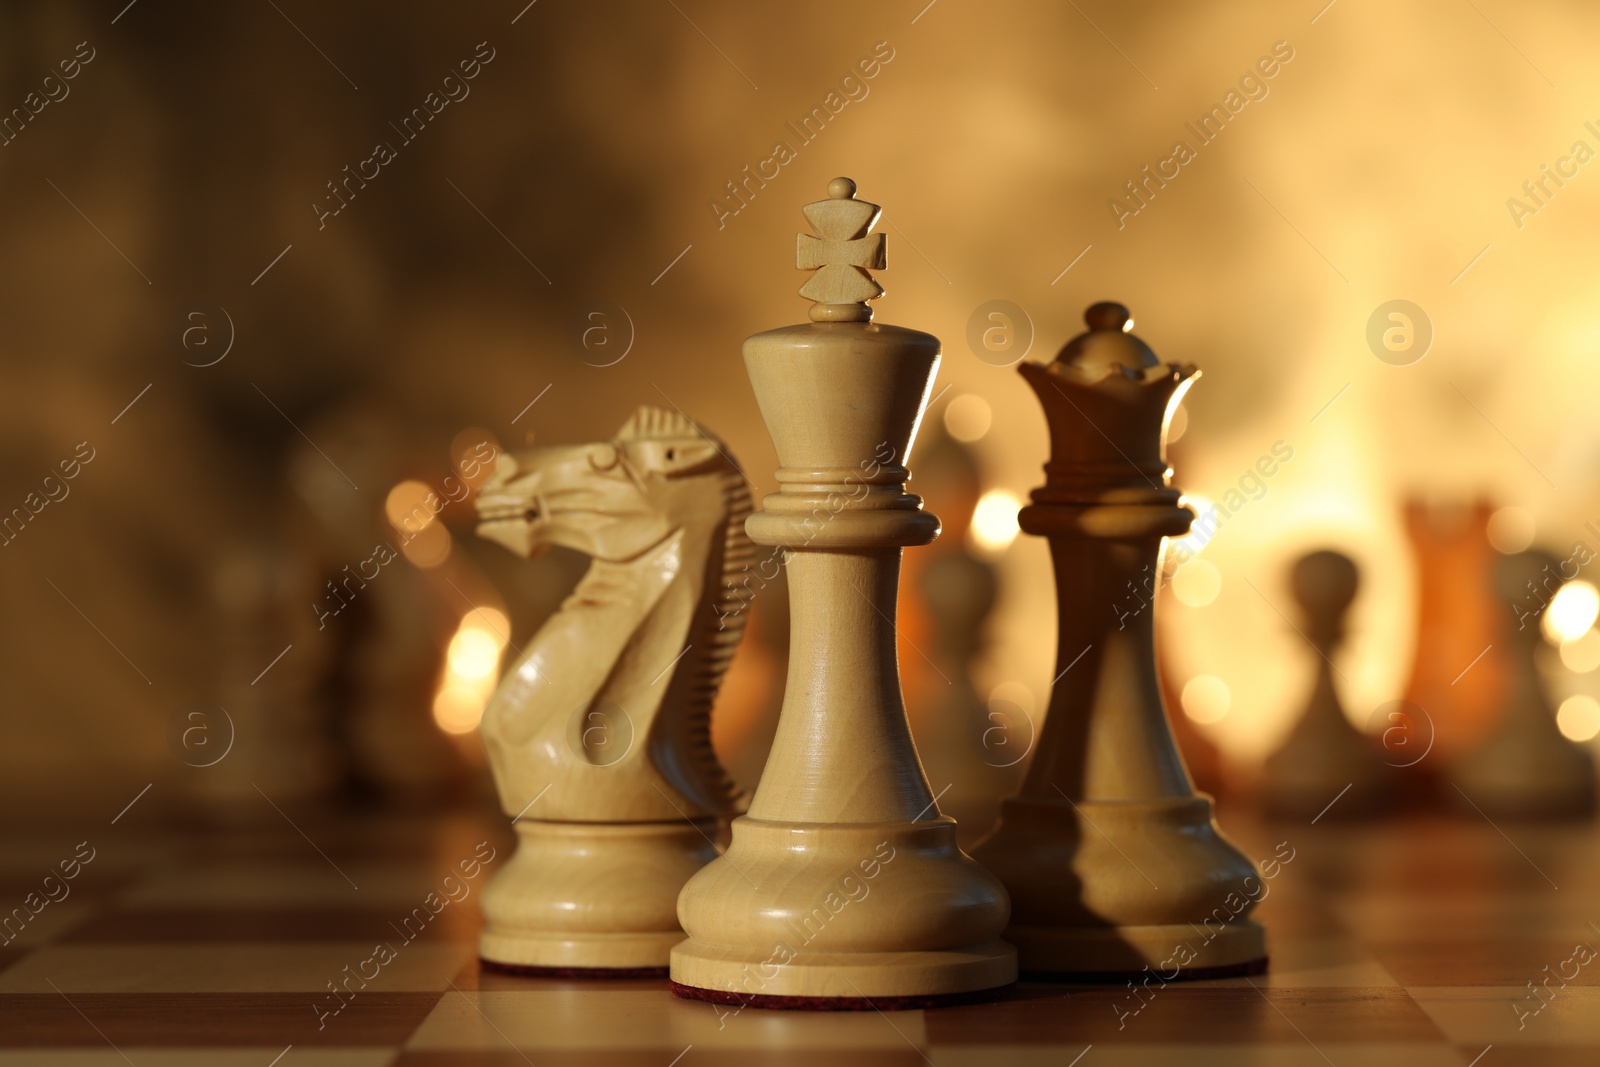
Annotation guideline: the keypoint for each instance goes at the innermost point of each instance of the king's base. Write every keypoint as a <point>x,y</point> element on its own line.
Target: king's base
<point>851,910</point>
<point>1169,953</point>
<point>841,981</point>
<point>769,1003</point>
<point>592,896</point>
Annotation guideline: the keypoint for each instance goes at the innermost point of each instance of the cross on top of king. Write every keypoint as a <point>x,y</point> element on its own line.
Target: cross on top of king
<point>841,255</point>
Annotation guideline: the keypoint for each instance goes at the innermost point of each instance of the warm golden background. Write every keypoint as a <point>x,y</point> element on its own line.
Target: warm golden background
<point>191,148</point>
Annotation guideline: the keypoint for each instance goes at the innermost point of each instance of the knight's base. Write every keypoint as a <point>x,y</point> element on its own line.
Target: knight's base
<point>569,952</point>
<point>593,973</point>
<point>1169,953</point>
<point>840,981</point>
<point>592,896</point>
<point>772,1003</point>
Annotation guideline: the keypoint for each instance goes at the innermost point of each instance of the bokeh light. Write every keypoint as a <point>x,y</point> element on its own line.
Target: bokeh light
<point>471,668</point>
<point>1583,653</point>
<point>458,709</point>
<point>1511,529</point>
<point>1206,698</point>
<point>1579,718</point>
<point>406,506</point>
<point>1197,583</point>
<point>473,654</point>
<point>1571,611</point>
<point>968,417</point>
<point>492,621</point>
<point>429,548</point>
<point>994,521</point>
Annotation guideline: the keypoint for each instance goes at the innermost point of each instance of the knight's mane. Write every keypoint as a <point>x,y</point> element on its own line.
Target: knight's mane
<point>654,424</point>
<point>720,622</point>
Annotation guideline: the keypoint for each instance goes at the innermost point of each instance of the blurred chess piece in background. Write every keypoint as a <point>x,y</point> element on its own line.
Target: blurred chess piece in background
<point>949,489</point>
<point>261,735</point>
<point>1324,757</point>
<point>973,754</point>
<point>378,620</point>
<point>1457,669</point>
<point>1524,767</point>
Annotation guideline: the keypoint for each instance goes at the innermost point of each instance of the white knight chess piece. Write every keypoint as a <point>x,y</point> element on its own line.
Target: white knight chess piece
<point>599,734</point>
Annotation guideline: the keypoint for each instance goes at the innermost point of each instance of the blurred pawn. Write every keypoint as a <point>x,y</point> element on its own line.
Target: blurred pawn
<point>972,753</point>
<point>1324,755</point>
<point>1524,767</point>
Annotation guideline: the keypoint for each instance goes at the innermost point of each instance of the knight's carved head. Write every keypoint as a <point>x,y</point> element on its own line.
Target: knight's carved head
<point>611,500</point>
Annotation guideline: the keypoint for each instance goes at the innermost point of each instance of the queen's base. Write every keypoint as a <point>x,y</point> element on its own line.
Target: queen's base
<point>1172,953</point>
<point>1111,887</point>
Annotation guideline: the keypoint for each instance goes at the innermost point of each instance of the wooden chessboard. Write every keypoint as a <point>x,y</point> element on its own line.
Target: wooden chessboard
<point>1393,943</point>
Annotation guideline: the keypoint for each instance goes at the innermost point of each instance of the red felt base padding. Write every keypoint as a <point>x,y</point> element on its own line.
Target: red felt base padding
<point>772,1003</point>
<point>1186,974</point>
<point>571,972</point>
